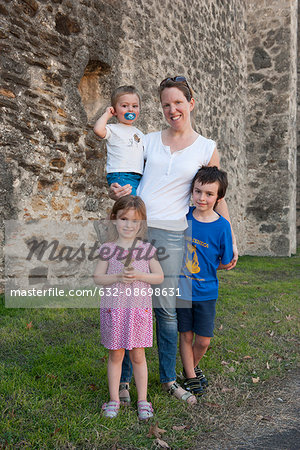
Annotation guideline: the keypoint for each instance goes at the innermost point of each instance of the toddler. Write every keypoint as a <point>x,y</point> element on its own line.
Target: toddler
<point>125,155</point>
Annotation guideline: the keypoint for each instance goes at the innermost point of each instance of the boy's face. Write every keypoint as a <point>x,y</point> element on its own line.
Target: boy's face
<point>127,103</point>
<point>205,196</point>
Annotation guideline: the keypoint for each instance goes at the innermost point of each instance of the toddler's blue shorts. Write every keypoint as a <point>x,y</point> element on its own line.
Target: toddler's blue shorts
<point>196,316</point>
<point>123,178</point>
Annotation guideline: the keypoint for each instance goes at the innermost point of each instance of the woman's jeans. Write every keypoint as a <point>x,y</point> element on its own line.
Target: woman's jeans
<point>164,306</point>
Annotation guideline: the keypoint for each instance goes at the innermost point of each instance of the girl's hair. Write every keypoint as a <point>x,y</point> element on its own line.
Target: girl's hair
<point>183,86</point>
<point>211,174</point>
<point>122,90</point>
<point>124,204</point>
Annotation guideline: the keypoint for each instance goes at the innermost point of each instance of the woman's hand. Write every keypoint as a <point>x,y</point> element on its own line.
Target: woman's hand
<point>235,257</point>
<point>116,191</point>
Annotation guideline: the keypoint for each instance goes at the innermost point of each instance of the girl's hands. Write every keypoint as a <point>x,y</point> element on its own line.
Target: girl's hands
<point>116,191</point>
<point>129,275</point>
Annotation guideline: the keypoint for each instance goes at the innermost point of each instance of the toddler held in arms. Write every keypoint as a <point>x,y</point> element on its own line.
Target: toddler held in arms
<point>125,152</point>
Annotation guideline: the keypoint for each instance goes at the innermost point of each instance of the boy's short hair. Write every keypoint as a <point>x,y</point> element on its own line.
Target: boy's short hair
<point>211,174</point>
<point>122,90</point>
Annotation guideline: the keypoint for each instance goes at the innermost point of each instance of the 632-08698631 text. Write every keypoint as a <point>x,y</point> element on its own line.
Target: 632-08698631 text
<point>137,292</point>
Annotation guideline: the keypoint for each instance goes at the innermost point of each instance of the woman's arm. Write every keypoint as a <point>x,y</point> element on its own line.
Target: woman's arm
<point>222,209</point>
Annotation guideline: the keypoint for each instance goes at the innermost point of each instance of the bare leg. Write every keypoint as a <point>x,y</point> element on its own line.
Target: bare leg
<point>114,368</point>
<point>200,347</point>
<point>187,353</point>
<point>139,364</point>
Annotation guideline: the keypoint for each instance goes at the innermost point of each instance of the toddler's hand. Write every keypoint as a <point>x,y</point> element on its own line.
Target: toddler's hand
<point>110,111</point>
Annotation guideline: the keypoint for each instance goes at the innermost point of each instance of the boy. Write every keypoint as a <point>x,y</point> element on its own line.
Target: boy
<point>125,153</point>
<point>208,247</point>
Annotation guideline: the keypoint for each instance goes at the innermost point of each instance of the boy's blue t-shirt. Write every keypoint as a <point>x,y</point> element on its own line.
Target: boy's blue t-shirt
<point>206,244</point>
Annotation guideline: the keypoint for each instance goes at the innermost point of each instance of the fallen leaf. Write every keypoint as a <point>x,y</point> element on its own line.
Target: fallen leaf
<point>235,362</point>
<point>231,369</point>
<point>181,427</point>
<point>278,357</point>
<point>212,405</point>
<point>275,307</point>
<point>224,363</point>
<point>289,317</point>
<point>276,321</point>
<point>154,430</point>
<point>270,333</point>
<point>229,351</point>
<point>220,327</point>
<point>244,313</point>
<point>268,366</point>
<point>243,326</point>
<point>245,282</point>
<point>50,375</point>
<point>247,357</point>
<point>268,418</point>
<point>93,387</point>
<point>225,389</point>
<point>29,325</point>
<point>161,443</point>
<point>255,380</point>
<point>57,430</point>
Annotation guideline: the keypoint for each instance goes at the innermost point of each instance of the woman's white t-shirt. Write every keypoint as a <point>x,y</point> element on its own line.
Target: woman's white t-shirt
<point>166,182</point>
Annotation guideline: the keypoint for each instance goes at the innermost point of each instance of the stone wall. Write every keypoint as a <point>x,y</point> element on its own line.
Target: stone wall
<point>271,127</point>
<point>60,59</point>
<point>298,130</point>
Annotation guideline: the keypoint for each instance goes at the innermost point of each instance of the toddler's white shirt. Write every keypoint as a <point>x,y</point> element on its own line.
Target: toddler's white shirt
<point>124,148</point>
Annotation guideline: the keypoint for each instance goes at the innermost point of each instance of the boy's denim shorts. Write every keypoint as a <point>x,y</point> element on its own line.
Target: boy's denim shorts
<point>198,317</point>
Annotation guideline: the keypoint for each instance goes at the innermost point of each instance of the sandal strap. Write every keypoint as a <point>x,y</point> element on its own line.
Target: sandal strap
<point>144,406</point>
<point>171,390</point>
<point>111,406</point>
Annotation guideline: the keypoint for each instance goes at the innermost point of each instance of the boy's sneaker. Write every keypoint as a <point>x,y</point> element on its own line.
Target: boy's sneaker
<point>193,385</point>
<point>200,375</point>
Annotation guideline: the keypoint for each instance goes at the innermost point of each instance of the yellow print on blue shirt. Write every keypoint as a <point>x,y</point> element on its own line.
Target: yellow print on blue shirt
<point>191,259</point>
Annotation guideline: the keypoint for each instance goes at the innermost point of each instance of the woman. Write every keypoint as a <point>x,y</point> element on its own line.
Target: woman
<point>173,156</point>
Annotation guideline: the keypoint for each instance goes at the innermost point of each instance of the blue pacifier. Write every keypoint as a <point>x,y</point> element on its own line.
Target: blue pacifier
<point>129,116</point>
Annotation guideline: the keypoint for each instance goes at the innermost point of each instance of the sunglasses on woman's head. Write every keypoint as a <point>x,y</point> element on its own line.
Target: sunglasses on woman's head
<point>176,80</point>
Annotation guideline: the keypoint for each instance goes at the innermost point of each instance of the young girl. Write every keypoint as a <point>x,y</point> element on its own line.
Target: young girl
<point>125,151</point>
<point>126,269</point>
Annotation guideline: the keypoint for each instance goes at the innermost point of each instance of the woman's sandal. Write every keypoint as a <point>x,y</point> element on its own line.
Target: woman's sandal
<point>124,394</point>
<point>193,385</point>
<point>173,390</point>
<point>111,409</point>
<point>145,410</point>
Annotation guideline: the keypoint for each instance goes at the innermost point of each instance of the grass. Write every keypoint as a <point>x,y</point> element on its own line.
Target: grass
<point>53,368</point>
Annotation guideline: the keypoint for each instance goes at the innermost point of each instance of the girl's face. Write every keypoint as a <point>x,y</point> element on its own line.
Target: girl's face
<point>127,103</point>
<point>128,224</point>
<point>177,109</point>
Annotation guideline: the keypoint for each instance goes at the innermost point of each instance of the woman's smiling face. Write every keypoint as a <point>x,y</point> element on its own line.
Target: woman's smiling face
<point>177,109</point>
